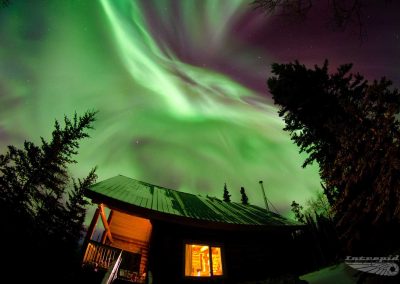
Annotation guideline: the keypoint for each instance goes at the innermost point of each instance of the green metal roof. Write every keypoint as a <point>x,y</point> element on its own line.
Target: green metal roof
<point>128,191</point>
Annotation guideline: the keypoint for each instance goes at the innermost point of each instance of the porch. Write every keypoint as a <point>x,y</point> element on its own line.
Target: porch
<point>112,264</point>
<point>120,255</point>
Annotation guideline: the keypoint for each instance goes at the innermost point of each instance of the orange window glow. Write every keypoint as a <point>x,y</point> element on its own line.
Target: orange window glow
<point>216,261</point>
<point>198,262</point>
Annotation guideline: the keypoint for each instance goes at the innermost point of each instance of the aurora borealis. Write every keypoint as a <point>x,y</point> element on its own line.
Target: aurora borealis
<point>179,86</point>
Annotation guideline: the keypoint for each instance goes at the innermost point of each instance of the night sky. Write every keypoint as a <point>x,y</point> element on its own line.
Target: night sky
<point>180,86</point>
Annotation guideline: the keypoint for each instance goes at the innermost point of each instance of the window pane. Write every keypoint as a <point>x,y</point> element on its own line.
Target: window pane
<point>197,260</point>
<point>216,261</point>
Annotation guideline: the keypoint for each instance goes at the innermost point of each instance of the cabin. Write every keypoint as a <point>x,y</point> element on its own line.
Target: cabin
<point>156,235</point>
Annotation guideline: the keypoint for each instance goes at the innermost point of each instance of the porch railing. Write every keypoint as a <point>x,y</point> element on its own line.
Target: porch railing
<point>112,272</point>
<point>100,256</point>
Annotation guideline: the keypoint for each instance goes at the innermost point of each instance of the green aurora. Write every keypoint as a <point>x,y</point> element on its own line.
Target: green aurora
<point>161,119</point>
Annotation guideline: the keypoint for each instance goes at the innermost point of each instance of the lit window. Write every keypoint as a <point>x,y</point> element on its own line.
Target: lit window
<point>198,261</point>
<point>216,261</point>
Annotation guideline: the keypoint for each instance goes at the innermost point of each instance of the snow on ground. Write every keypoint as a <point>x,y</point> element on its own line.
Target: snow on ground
<point>339,273</point>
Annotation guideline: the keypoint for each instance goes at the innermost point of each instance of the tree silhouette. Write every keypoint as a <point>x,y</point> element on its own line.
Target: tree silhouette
<point>44,214</point>
<point>318,205</point>
<point>244,199</point>
<point>297,210</point>
<point>348,126</point>
<point>342,13</point>
<point>227,196</point>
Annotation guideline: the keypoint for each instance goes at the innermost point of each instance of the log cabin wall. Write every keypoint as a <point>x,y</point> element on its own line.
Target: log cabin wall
<point>247,255</point>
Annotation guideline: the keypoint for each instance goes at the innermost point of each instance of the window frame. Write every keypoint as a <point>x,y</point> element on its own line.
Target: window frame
<point>210,246</point>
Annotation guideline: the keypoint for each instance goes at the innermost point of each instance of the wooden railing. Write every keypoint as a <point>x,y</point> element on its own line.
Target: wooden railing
<point>100,256</point>
<point>112,272</point>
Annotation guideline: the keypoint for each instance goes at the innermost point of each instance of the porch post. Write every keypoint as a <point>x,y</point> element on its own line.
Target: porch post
<point>90,230</point>
<point>105,224</point>
<point>104,236</point>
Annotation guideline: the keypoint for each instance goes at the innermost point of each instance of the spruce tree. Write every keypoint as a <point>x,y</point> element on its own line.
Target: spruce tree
<point>297,210</point>
<point>350,127</point>
<point>227,196</point>
<point>244,199</point>
<point>44,214</point>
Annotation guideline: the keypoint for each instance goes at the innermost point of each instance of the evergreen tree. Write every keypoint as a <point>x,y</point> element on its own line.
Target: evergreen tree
<point>318,205</point>
<point>45,217</point>
<point>76,208</point>
<point>297,210</point>
<point>350,128</point>
<point>244,199</point>
<point>227,196</point>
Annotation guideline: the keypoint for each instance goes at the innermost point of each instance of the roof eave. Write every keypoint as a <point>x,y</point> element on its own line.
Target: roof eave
<point>183,220</point>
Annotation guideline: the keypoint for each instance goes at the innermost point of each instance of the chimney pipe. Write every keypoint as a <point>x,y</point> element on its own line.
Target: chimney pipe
<point>265,197</point>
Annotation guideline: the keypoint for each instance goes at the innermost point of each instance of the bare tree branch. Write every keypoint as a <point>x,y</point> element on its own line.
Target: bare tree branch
<point>343,12</point>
